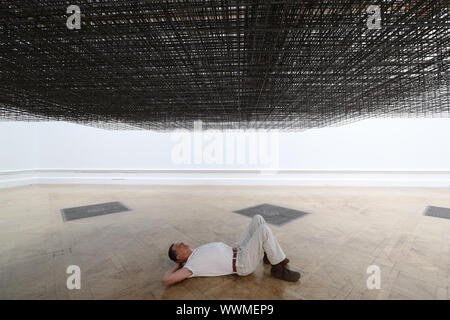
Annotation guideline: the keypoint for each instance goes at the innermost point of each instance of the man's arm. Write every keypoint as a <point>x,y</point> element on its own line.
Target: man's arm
<point>176,274</point>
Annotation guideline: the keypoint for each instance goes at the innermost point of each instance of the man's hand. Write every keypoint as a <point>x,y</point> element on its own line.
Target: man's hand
<point>176,274</point>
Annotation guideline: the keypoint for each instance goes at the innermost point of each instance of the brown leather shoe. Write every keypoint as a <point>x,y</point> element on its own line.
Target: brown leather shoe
<point>280,271</point>
<point>266,261</point>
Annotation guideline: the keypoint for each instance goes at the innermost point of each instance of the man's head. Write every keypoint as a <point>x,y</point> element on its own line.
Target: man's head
<point>179,252</point>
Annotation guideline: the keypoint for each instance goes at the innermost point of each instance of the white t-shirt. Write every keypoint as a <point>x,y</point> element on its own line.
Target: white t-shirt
<point>210,260</point>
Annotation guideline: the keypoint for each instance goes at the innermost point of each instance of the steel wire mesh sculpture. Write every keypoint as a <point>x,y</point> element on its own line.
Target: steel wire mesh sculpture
<point>231,64</point>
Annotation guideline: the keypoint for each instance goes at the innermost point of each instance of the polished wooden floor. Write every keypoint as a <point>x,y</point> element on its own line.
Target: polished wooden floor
<point>124,255</point>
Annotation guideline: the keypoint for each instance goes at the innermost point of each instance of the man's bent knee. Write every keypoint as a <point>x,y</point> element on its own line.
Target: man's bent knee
<point>259,219</point>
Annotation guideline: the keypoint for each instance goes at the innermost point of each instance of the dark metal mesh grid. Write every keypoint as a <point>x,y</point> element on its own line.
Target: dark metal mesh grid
<point>231,64</point>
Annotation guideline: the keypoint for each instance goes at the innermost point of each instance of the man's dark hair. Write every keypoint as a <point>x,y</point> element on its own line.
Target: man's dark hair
<point>172,253</point>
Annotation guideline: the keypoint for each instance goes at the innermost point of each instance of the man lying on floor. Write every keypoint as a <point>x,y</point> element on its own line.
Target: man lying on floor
<point>218,259</point>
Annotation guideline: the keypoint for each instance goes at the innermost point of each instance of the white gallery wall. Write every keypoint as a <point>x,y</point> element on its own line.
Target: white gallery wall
<point>18,153</point>
<point>373,152</point>
<point>18,146</point>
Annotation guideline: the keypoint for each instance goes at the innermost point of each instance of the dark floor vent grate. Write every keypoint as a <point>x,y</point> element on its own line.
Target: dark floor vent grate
<point>437,212</point>
<point>272,214</point>
<point>92,210</point>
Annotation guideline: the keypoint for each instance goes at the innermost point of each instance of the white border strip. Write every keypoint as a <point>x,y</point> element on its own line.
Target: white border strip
<point>363,178</point>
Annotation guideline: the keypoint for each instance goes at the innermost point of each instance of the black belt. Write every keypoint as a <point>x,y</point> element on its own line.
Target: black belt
<point>234,259</point>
